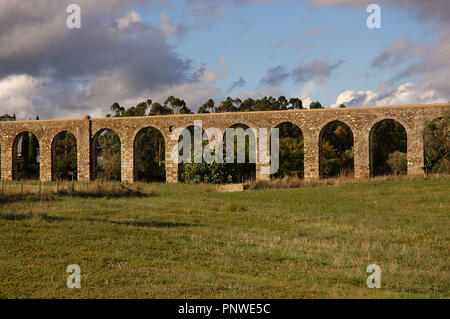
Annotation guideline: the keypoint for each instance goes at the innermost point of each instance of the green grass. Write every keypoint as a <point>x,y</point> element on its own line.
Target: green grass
<point>188,241</point>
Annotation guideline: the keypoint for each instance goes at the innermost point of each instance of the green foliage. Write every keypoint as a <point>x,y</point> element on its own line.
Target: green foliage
<point>27,166</point>
<point>110,167</point>
<point>315,105</point>
<point>207,107</point>
<point>397,162</point>
<point>213,173</point>
<point>178,106</point>
<point>253,105</point>
<point>65,156</point>
<point>388,136</point>
<point>291,157</point>
<point>437,145</point>
<point>336,154</point>
<point>218,173</point>
<point>149,156</point>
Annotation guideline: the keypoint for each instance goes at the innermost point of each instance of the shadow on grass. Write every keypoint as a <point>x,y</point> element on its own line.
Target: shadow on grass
<point>51,219</point>
<point>152,224</point>
<point>15,198</point>
<point>7,199</point>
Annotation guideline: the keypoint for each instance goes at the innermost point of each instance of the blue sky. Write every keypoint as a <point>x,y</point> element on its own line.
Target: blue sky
<point>259,36</point>
<point>195,49</point>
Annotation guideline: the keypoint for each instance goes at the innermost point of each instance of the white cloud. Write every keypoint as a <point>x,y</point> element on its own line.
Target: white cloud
<point>29,96</point>
<point>129,19</point>
<point>166,25</point>
<point>406,93</point>
<point>308,89</point>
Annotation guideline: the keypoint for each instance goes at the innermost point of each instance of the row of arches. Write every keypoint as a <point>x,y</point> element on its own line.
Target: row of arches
<point>336,155</point>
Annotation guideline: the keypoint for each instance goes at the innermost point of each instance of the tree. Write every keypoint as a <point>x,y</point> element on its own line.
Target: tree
<point>149,152</point>
<point>388,136</point>
<point>117,109</point>
<point>207,107</point>
<point>315,105</point>
<point>437,145</point>
<point>212,173</point>
<point>65,156</point>
<point>33,149</point>
<point>397,162</point>
<point>296,103</point>
<point>177,105</point>
<point>25,147</point>
<point>110,167</point>
<point>229,105</point>
<point>342,106</point>
<point>158,109</point>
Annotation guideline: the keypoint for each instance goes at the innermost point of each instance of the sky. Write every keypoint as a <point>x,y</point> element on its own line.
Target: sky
<point>131,51</point>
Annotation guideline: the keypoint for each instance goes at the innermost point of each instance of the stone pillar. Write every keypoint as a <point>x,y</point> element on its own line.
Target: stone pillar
<point>45,159</point>
<point>6,159</point>
<point>415,151</point>
<point>84,150</point>
<point>311,157</point>
<point>262,154</point>
<point>127,160</point>
<point>361,154</point>
<point>171,163</point>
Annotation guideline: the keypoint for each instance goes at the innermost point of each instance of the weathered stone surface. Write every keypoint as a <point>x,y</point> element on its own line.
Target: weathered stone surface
<point>230,188</point>
<point>311,122</point>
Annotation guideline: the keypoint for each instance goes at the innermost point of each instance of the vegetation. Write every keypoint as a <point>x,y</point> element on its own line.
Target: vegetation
<point>65,156</point>
<point>388,136</point>
<point>437,145</point>
<point>336,151</point>
<point>108,143</point>
<point>27,164</point>
<point>188,241</point>
<point>397,162</point>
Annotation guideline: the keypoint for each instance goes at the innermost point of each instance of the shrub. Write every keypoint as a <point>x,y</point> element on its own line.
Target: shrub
<point>397,162</point>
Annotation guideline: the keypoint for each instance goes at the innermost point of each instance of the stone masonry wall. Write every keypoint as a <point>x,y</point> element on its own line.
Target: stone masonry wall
<point>311,122</point>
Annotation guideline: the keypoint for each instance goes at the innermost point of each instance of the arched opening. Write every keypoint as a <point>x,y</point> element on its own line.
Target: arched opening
<point>336,150</point>
<point>149,156</point>
<point>388,148</point>
<point>291,151</point>
<point>240,156</point>
<point>64,156</point>
<point>106,156</point>
<point>436,146</point>
<point>189,157</point>
<point>26,160</point>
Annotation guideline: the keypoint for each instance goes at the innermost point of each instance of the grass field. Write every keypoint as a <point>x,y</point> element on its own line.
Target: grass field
<point>187,241</point>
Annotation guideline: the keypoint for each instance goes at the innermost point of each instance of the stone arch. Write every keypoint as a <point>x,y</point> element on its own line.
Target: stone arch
<point>149,155</point>
<point>247,169</point>
<point>106,137</point>
<point>25,165</point>
<point>291,150</point>
<point>64,156</point>
<point>194,132</point>
<point>336,156</point>
<point>385,137</point>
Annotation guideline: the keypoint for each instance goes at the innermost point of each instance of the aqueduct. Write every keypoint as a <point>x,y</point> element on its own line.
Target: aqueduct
<point>359,120</point>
